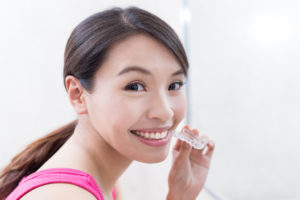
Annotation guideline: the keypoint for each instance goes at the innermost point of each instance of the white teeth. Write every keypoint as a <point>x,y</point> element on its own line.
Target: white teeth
<point>152,135</point>
<point>163,134</point>
<point>157,135</point>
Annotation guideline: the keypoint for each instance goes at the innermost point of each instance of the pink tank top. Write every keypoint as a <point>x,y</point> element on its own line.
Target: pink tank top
<point>57,175</point>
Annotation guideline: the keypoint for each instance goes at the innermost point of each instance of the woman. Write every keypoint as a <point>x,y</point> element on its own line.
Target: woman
<point>124,72</point>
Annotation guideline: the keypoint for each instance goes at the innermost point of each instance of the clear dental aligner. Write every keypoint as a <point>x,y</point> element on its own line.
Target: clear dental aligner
<point>191,138</point>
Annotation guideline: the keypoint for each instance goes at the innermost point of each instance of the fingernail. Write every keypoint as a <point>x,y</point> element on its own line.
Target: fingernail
<point>187,127</point>
<point>195,131</point>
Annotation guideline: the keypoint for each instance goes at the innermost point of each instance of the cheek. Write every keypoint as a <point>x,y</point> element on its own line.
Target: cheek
<point>180,107</point>
<point>120,113</point>
<point>112,118</point>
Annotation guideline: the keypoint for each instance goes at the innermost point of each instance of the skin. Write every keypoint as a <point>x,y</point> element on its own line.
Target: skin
<point>102,144</point>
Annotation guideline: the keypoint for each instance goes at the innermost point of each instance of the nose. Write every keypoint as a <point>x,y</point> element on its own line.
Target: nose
<point>160,108</point>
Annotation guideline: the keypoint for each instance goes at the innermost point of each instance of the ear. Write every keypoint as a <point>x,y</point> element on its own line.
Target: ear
<point>76,94</point>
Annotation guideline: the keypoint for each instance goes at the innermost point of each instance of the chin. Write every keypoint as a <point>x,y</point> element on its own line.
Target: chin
<point>153,157</point>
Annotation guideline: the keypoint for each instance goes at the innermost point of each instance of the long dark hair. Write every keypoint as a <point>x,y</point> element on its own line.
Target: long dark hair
<point>85,51</point>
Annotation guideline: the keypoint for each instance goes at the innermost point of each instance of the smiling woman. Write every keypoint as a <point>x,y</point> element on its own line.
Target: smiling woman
<point>136,99</point>
<point>124,73</point>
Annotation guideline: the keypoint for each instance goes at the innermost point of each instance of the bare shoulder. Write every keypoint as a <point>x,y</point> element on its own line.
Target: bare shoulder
<point>58,191</point>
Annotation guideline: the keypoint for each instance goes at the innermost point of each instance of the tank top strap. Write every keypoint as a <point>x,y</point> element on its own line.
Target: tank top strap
<point>57,175</point>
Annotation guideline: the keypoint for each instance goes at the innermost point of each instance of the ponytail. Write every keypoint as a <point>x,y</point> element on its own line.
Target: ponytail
<point>33,157</point>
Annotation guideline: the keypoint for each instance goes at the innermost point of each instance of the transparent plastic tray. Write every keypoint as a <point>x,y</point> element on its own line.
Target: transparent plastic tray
<point>191,138</point>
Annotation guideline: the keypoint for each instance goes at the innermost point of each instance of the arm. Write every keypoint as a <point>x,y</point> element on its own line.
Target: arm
<point>58,191</point>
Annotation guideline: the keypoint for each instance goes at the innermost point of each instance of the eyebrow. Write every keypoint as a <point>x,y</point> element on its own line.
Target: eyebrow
<point>144,71</point>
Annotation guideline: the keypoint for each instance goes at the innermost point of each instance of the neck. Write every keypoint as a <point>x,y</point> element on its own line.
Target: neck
<point>86,150</point>
<point>101,160</point>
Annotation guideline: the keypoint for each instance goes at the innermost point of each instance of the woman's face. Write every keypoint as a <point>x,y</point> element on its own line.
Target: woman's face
<point>138,97</point>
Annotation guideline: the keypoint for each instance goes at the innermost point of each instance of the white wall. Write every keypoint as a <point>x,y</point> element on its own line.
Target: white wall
<point>246,94</point>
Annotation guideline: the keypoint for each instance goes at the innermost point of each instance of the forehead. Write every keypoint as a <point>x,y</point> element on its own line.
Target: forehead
<point>139,50</point>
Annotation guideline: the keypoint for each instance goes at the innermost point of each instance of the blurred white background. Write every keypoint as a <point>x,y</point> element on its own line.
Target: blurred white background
<point>244,88</point>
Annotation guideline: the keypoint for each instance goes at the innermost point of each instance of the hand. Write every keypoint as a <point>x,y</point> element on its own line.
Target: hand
<point>189,170</point>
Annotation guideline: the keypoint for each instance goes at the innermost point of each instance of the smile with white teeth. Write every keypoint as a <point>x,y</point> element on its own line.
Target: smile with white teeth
<point>148,135</point>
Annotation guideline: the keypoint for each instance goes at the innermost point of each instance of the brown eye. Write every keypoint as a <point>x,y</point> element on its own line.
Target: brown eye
<point>176,85</point>
<point>135,87</point>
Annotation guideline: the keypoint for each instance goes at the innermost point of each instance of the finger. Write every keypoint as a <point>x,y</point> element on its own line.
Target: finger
<point>185,150</point>
<point>177,145</point>
<point>195,131</point>
<point>210,148</point>
<point>187,127</point>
